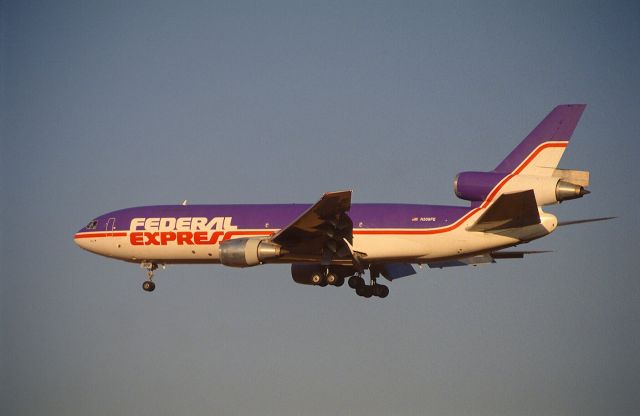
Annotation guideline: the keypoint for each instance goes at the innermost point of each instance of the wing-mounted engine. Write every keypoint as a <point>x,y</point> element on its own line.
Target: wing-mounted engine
<point>247,252</point>
<point>560,185</point>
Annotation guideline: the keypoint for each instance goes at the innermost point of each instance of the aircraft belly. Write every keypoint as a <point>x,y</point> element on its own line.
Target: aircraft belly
<point>122,248</point>
<point>462,243</point>
<point>428,246</point>
<point>177,253</point>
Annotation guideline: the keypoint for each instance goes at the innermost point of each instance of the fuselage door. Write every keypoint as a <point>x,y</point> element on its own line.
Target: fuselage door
<point>111,225</point>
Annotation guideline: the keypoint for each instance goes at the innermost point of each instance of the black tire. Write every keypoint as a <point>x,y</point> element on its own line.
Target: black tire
<point>356,282</point>
<point>381,291</point>
<point>352,282</point>
<point>148,286</point>
<point>339,282</point>
<point>368,291</point>
<point>318,279</point>
<point>364,291</point>
<point>332,278</point>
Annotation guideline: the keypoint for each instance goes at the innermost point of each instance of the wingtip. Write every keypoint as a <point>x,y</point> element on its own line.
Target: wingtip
<point>338,192</point>
<point>572,105</point>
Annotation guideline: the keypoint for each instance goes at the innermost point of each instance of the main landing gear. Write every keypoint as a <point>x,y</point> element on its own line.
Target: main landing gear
<point>148,285</point>
<point>368,290</point>
<point>328,277</point>
<point>335,277</point>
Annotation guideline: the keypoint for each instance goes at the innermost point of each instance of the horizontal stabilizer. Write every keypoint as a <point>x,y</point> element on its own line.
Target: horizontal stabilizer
<point>561,223</point>
<point>577,177</point>
<point>515,254</point>
<point>466,261</point>
<point>514,210</point>
<point>483,258</point>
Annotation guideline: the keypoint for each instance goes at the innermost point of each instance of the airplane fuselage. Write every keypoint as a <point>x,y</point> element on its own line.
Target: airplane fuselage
<point>383,232</point>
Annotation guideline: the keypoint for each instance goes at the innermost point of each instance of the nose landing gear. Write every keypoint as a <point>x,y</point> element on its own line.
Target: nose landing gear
<point>148,285</point>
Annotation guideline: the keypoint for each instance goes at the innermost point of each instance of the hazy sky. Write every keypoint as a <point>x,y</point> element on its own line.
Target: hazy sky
<point>107,105</point>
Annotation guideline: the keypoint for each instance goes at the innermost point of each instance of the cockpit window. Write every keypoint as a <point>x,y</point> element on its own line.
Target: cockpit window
<point>92,225</point>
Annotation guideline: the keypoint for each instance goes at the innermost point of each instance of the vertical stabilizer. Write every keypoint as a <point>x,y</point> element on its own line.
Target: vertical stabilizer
<point>540,152</point>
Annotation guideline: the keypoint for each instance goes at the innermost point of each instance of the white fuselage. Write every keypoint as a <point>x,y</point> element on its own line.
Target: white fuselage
<point>193,244</point>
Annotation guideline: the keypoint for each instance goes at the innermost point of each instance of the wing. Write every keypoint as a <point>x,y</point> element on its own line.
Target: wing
<point>321,230</point>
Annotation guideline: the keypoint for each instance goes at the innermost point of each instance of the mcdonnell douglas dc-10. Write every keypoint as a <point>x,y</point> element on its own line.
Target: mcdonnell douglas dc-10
<point>334,240</point>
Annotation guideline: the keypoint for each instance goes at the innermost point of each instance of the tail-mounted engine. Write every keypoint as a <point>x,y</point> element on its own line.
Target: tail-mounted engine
<point>246,252</point>
<point>561,186</point>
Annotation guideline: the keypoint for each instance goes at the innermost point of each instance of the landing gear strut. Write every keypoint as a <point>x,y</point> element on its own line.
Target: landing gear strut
<point>148,285</point>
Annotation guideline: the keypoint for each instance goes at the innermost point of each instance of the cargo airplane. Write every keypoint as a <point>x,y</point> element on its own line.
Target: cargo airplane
<point>334,240</point>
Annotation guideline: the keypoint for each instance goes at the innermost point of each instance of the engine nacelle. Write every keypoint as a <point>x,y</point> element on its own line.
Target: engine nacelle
<point>246,252</point>
<point>475,186</point>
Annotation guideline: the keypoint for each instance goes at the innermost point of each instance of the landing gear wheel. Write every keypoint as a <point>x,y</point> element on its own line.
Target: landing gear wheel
<point>332,278</point>
<point>318,279</point>
<point>355,282</point>
<point>148,286</point>
<point>364,291</point>
<point>339,282</point>
<point>381,291</point>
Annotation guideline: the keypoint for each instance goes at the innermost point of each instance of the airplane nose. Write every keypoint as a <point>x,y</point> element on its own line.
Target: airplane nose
<point>81,242</point>
<point>84,242</point>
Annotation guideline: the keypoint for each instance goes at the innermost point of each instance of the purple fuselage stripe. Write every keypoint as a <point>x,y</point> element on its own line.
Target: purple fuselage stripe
<point>277,216</point>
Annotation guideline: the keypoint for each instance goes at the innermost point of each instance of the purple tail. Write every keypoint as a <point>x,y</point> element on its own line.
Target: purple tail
<point>556,127</point>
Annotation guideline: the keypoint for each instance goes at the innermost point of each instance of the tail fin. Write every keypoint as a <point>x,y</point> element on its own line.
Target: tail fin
<point>540,152</point>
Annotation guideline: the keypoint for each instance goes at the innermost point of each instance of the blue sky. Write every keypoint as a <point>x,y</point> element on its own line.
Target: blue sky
<point>111,105</point>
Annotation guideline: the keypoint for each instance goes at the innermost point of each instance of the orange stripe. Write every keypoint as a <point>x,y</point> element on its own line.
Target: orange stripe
<point>96,235</point>
<point>520,169</point>
<point>240,232</point>
<point>486,202</point>
<point>124,234</point>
